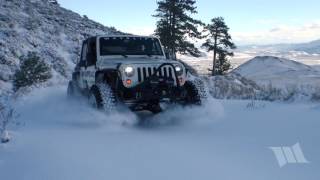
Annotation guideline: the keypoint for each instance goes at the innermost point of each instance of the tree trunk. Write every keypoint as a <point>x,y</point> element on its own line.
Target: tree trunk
<point>173,33</point>
<point>214,56</point>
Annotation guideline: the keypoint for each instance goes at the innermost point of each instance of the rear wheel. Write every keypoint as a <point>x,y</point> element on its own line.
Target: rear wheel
<point>102,97</point>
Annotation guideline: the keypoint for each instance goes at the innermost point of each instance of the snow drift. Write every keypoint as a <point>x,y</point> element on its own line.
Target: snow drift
<point>63,139</point>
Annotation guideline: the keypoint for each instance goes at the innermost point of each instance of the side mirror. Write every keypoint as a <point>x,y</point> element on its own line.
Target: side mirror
<point>169,54</point>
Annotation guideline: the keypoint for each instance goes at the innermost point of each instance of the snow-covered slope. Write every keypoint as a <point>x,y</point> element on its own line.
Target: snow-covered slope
<point>233,86</point>
<point>279,72</point>
<point>42,26</point>
<point>225,140</point>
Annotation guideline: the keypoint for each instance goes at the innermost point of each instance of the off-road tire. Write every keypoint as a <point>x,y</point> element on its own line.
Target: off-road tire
<point>104,97</point>
<point>192,94</point>
<point>196,92</point>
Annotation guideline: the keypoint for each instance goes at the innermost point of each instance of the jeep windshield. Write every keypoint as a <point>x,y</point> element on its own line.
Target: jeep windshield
<point>125,46</point>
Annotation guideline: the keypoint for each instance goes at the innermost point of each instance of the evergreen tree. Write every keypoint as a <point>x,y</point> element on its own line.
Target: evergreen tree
<point>32,71</point>
<point>220,42</point>
<point>175,25</point>
<point>223,63</point>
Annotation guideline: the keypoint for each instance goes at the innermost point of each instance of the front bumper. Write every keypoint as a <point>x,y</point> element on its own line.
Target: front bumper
<point>154,90</point>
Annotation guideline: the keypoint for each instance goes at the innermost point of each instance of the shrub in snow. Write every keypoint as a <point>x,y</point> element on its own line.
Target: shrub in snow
<point>316,95</point>
<point>32,71</point>
<point>2,59</point>
<point>7,115</point>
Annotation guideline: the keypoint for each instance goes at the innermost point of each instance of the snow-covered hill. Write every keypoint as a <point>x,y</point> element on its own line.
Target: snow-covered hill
<point>42,26</point>
<point>279,72</point>
<point>307,53</point>
<point>280,79</point>
<point>264,78</point>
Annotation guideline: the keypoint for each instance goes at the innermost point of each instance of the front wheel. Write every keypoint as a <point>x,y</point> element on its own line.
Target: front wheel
<point>196,92</point>
<point>101,97</point>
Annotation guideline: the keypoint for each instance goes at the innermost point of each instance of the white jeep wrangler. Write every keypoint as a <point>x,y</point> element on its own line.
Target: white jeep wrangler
<point>134,71</point>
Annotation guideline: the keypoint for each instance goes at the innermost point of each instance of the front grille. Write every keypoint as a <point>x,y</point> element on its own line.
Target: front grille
<point>145,72</point>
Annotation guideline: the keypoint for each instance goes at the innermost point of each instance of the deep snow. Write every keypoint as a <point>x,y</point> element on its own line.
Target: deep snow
<point>61,139</point>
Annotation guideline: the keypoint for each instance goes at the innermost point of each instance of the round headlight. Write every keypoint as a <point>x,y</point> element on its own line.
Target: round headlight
<point>179,70</point>
<point>129,71</point>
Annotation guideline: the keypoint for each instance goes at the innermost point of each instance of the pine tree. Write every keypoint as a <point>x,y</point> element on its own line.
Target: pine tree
<point>175,25</point>
<point>32,71</point>
<point>220,42</point>
<point>223,63</point>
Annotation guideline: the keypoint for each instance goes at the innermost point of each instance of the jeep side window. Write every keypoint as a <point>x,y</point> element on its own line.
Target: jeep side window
<point>92,53</point>
<point>83,55</point>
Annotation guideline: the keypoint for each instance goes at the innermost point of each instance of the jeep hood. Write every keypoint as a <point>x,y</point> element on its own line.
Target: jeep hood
<point>107,62</point>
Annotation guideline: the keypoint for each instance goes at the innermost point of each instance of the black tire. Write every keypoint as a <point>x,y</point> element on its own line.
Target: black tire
<point>196,92</point>
<point>102,97</point>
<point>192,94</point>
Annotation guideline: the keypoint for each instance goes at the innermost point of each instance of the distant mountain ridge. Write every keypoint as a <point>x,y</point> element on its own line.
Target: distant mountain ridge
<point>312,47</point>
<point>55,33</point>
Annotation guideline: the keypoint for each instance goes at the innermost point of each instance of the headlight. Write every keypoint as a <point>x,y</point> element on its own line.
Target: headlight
<point>179,70</point>
<point>129,71</point>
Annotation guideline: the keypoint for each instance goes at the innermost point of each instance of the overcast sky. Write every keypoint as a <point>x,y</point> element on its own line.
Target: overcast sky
<point>250,21</point>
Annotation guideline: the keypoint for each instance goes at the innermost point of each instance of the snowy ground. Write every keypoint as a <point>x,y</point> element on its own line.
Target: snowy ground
<point>222,140</point>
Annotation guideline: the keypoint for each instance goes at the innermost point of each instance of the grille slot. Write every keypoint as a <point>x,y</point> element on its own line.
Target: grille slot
<point>165,72</point>
<point>149,71</point>
<point>170,72</point>
<point>145,72</point>
<point>139,75</point>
